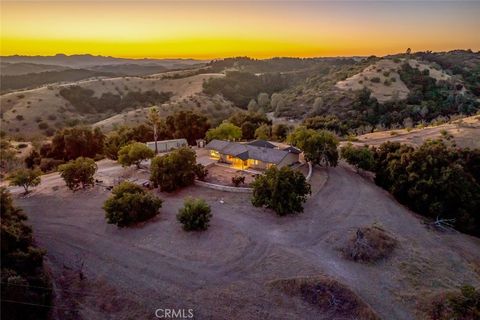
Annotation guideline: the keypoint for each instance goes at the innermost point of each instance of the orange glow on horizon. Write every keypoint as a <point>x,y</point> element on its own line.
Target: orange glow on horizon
<point>208,30</point>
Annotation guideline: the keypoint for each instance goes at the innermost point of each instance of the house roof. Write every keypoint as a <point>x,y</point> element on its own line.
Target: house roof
<point>292,149</point>
<point>247,151</point>
<point>262,143</point>
<point>181,140</point>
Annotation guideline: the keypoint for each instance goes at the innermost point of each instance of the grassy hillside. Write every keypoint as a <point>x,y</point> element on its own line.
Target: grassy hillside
<point>362,93</point>
<point>41,110</point>
<point>15,69</point>
<point>29,80</point>
<point>216,108</point>
<point>464,132</point>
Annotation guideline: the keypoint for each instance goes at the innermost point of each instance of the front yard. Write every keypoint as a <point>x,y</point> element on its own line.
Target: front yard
<point>221,174</point>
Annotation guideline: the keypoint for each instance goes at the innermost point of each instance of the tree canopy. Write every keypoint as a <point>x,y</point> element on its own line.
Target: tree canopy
<point>435,180</point>
<point>225,131</point>
<point>22,270</point>
<point>124,135</point>
<point>129,204</point>
<point>188,125</point>
<point>78,172</point>
<point>249,122</point>
<point>71,143</point>
<point>282,190</point>
<point>319,147</point>
<point>134,153</point>
<point>360,157</point>
<point>25,178</point>
<point>174,170</point>
<point>264,132</point>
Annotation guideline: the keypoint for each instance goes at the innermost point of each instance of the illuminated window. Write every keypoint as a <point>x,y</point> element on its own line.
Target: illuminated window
<point>214,154</point>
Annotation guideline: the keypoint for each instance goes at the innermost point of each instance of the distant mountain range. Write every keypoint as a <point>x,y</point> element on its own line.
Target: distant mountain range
<point>88,60</point>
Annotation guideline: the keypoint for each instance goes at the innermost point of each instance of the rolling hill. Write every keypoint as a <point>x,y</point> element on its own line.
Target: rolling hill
<point>44,109</point>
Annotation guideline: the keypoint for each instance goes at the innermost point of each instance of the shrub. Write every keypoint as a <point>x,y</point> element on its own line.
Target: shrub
<point>134,153</point>
<point>360,157</point>
<point>78,173</point>
<point>174,170</point>
<point>50,132</point>
<point>129,204</point>
<point>25,178</point>
<point>393,79</point>
<point>19,117</point>
<point>319,147</point>
<point>43,125</point>
<point>387,83</point>
<point>464,305</point>
<point>22,145</point>
<point>200,171</point>
<point>328,295</point>
<point>283,190</point>
<point>33,159</point>
<point>375,80</point>
<point>52,117</point>
<point>195,215</point>
<point>238,180</point>
<point>369,244</point>
<point>49,164</point>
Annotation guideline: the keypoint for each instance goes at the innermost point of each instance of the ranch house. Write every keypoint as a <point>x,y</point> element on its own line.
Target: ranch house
<point>258,154</point>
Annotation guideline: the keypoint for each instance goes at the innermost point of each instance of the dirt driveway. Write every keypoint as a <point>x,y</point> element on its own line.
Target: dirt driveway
<point>221,273</point>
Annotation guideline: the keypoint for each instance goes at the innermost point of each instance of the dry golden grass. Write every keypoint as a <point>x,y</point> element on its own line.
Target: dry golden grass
<point>328,295</point>
<point>385,70</point>
<point>369,244</point>
<point>45,105</point>
<point>464,133</point>
<point>435,73</point>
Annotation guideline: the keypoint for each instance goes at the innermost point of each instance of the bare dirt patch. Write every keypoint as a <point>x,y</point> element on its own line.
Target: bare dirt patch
<point>381,78</point>
<point>223,175</point>
<point>330,296</point>
<point>434,71</point>
<point>221,272</point>
<point>369,244</point>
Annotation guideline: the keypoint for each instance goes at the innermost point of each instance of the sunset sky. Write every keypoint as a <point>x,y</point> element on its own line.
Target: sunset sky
<point>215,29</point>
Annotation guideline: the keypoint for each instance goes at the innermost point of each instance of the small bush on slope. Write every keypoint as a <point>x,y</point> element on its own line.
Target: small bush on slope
<point>129,204</point>
<point>369,244</point>
<point>463,305</point>
<point>328,295</point>
<point>195,215</point>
